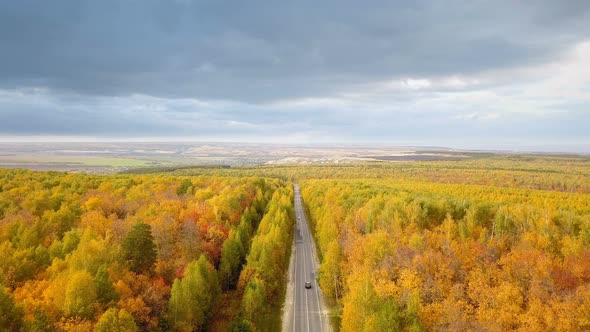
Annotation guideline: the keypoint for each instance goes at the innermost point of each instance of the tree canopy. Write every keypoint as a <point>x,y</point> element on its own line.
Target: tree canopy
<point>139,248</point>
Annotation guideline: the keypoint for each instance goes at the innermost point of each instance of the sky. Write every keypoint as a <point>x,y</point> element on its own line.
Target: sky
<point>467,74</point>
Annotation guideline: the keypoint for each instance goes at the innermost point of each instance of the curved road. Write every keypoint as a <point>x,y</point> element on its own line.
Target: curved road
<point>304,308</point>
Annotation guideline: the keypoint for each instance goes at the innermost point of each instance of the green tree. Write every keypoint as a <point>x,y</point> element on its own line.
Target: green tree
<point>105,291</point>
<point>246,228</point>
<point>139,248</point>
<point>185,187</point>
<point>71,241</point>
<point>232,258</point>
<point>412,313</point>
<point>41,323</point>
<point>11,316</point>
<point>242,325</point>
<point>114,320</point>
<point>255,299</point>
<point>387,316</point>
<point>192,297</point>
<point>56,250</point>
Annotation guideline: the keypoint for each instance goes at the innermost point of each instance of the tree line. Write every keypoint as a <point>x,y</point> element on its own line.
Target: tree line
<point>536,172</point>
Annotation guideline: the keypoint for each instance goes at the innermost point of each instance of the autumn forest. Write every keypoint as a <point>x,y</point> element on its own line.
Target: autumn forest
<point>125,253</point>
<point>489,243</point>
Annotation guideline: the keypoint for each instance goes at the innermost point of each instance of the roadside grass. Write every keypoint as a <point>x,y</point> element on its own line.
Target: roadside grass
<point>335,313</point>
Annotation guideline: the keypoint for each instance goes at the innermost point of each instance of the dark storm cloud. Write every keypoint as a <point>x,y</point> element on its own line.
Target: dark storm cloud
<point>265,50</point>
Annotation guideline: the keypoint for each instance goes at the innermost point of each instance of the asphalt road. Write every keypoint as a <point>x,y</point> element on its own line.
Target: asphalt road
<point>304,308</point>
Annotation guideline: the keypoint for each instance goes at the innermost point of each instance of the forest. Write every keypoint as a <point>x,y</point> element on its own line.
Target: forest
<point>139,253</point>
<point>538,172</point>
<point>422,256</point>
<point>493,243</point>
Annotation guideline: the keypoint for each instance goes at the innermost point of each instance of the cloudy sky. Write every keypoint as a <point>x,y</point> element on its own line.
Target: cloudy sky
<point>477,74</point>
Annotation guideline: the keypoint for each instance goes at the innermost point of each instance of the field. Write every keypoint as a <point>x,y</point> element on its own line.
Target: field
<point>486,242</point>
<point>108,158</point>
<point>73,161</point>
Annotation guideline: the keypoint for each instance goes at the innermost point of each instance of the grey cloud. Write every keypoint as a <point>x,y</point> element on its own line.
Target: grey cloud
<point>143,116</point>
<point>268,50</point>
<point>318,70</point>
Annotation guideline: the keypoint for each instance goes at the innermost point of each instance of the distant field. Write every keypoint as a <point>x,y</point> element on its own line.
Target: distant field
<point>114,157</point>
<point>33,160</point>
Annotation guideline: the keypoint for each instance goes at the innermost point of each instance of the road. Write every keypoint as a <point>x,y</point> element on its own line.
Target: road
<point>304,308</point>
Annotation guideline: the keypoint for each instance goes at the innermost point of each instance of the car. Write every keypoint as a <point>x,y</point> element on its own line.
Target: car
<point>308,284</point>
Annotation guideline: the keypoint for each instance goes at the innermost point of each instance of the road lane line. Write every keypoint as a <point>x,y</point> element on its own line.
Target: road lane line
<point>304,276</point>
<point>315,268</point>
<point>305,242</point>
<point>307,256</point>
